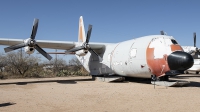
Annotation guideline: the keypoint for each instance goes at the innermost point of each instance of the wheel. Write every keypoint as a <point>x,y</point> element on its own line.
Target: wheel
<point>186,72</point>
<point>93,77</point>
<point>197,72</point>
<point>163,78</point>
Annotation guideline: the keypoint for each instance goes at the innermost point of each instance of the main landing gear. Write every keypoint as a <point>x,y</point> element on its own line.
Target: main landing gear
<point>162,78</point>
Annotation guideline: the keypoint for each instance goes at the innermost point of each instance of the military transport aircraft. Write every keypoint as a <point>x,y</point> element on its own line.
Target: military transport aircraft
<point>146,56</point>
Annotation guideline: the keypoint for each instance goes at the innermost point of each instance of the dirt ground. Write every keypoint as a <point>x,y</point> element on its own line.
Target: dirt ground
<point>81,94</point>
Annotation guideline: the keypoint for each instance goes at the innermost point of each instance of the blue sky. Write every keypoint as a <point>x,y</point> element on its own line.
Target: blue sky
<point>112,20</point>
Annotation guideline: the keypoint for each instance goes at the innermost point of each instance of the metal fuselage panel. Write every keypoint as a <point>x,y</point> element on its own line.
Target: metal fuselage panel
<point>129,58</point>
<point>196,66</point>
<point>133,58</point>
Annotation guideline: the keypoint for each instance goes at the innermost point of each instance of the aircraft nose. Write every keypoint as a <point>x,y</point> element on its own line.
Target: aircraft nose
<point>180,60</point>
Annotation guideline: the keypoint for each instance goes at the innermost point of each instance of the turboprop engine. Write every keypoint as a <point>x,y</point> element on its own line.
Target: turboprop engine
<point>30,44</point>
<point>82,52</point>
<point>29,50</point>
<point>83,49</point>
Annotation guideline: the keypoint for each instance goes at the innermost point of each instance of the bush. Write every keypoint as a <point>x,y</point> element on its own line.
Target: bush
<point>21,65</point>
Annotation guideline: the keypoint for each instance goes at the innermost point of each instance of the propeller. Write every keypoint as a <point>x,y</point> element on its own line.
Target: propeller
<point>30,42</point>
<point>194,35</point>
<point>85,44</point>
<point>194,52</point>
<point>197,50</point>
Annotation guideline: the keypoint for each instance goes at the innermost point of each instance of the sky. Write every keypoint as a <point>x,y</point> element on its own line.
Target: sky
<point>113,20</point>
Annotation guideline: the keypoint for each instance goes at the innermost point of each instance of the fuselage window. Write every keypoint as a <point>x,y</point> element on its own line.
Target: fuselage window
<point>174,41</point>
<point>133,53</point>
<point>109,56</point>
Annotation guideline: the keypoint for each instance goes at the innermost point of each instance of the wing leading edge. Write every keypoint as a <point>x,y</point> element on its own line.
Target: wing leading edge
<point>63,45</point>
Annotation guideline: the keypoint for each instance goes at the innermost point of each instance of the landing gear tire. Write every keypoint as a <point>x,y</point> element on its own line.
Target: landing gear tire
<point>197,72</point>
<point>93,77</point>
<point>186,72</point>
<point>164,78</point>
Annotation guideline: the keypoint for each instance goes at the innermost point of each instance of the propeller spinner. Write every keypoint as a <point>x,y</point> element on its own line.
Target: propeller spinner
<point>30,42</point>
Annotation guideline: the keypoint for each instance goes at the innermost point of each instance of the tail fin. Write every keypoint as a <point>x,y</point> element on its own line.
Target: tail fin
<point>81,33</point>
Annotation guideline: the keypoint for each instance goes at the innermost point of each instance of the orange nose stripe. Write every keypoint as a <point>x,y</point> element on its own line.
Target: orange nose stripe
<point>157,66</point>
<point>176,48</point>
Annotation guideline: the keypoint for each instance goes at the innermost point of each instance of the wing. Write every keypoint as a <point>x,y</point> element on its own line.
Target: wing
<point>63,45</point>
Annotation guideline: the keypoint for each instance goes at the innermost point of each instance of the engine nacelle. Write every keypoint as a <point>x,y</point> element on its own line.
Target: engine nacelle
<point>81,52</point>
<point>29,50</point>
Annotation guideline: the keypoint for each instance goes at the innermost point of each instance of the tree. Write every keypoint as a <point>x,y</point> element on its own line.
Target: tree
<point>3,62</point>
<point>76,63</point>
<point>20,62</point>
<point>56,64</point>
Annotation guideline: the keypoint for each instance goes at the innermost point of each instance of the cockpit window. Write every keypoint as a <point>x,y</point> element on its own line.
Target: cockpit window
<point>174,41</point>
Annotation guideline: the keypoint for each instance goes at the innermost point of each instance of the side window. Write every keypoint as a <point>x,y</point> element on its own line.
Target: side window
<point>133,53</point>
<point>174,41</point>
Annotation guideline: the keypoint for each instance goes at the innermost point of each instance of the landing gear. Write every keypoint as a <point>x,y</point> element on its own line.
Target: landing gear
<point>162,78</point>
<point>186,72</point>
<point>93,77</point>
<point>197,72</point>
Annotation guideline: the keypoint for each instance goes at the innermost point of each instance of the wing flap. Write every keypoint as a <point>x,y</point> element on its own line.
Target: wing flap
<point>64,45</point>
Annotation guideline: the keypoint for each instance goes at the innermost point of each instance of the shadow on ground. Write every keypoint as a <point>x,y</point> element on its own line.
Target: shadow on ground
<point>70,81</point>
<point>6,104</point>
<point>138,80</point>
<point>186,76</point>
<point>194,84</point>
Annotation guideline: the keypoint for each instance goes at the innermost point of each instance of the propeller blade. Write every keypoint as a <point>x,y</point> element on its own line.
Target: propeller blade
<point>75,49</point>
<point>88,33</point>
<point>190,52</point>
<point>40,50</point>
<point>34,29</point>
<point>194,35</point>
<point>100,59</point>
<point>14,47</point>
<point>162,32</point>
